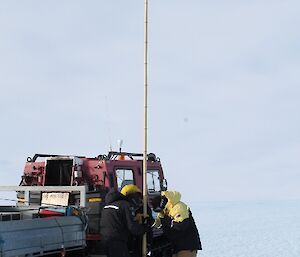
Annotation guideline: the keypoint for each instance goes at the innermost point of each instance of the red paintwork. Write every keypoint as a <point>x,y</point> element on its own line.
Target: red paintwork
<point>49,214</point>
<point>93,237</point>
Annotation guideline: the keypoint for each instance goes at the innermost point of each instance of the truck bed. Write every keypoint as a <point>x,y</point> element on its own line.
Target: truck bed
<point>41,236</point>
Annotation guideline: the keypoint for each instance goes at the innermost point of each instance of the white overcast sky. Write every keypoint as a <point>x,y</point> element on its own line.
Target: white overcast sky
<point>224,89</point>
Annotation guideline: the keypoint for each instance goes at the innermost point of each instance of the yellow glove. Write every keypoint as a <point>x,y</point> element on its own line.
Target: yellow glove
<point>139,217</point>
<point>160,215</point>
<point>157,222</point>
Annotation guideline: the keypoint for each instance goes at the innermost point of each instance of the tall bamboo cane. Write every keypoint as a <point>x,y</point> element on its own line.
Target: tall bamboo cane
<point>145,191</point>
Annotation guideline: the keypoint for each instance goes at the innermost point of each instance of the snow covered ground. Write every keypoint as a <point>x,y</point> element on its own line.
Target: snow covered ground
<point>249,229</point>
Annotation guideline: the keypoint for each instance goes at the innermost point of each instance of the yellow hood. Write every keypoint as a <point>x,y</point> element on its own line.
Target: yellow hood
<point>173,197</point>
<point>176,209</point>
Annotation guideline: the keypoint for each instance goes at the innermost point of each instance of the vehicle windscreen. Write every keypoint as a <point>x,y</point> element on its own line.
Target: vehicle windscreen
<point>153,181</point>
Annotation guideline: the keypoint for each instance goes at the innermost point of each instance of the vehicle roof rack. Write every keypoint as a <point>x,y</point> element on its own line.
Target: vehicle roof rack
<point>38,155</point>
<point>133,156</point>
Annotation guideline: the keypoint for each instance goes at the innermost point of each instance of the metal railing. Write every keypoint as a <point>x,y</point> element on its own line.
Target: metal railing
<point>28,189</point>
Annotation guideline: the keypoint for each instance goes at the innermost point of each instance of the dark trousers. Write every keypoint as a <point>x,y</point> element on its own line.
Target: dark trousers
<point>135,246</point>
<point>116,249</point>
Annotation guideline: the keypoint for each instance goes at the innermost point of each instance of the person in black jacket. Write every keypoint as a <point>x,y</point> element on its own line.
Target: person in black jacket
<point>135,197</point>
<point>178,224</point>
<point>117,223</point>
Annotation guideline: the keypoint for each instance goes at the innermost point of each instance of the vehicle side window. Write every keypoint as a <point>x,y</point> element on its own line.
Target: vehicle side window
<point>124,177</point>
<point>153,181</point>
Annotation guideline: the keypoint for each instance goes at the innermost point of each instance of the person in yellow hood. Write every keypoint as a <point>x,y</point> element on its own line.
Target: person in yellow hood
<point>177,222</point>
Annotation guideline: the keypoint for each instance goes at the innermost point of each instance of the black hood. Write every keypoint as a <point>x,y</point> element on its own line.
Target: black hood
<point>136,199</point>
<point>113,196</point>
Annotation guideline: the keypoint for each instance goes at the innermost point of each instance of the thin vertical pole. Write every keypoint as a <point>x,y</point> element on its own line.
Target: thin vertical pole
<point>145,190</point>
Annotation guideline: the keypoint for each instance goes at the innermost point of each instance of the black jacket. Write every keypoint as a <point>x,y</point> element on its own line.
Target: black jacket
<point>183,235</point>
<point>118,219</point>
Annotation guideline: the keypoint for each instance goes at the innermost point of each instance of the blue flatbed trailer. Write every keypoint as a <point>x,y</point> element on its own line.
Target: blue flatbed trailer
<point>41,236</point>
